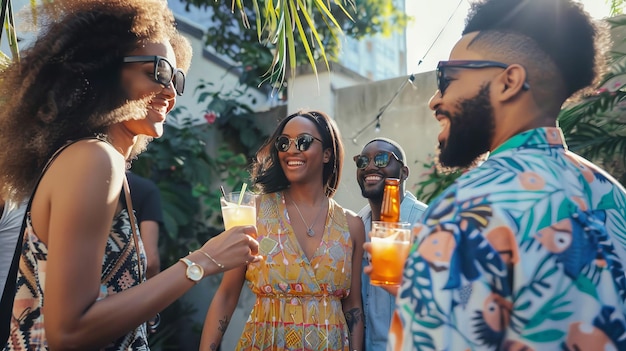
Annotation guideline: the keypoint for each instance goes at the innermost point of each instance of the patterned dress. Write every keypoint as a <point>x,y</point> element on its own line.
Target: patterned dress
<point>298,305</point>
<point>120,271</point>
<point>525,252</point>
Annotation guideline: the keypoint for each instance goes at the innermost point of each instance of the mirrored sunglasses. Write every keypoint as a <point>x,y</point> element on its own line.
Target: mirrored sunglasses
<point>303,142</point>
<point>381,159</point>
<point>164,72</point>
<point>443,81</point>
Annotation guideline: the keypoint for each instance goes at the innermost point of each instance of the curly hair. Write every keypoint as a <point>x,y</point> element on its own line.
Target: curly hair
<point>67,85</point>
<point>267,174</point>
<point>555,40</point>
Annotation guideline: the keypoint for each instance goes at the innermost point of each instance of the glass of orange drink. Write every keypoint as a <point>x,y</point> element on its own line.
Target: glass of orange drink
<point>390,248</point>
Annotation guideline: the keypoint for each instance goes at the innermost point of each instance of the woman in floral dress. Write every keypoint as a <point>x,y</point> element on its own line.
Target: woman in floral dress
<point>308,285</point>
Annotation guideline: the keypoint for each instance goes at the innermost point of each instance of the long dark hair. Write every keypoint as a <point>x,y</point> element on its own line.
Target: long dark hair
<point>268,176</point>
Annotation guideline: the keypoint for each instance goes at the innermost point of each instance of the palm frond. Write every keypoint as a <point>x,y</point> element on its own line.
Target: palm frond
<point>616,6</point>
<point>9,26</point>
<point>596,127</point>
<point>277,23</point>
<point>590,108</point>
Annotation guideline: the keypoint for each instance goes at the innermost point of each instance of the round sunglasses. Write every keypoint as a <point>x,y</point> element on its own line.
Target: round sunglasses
<point>381,159</point>
<point>303,142</point>
<point>164,72</point>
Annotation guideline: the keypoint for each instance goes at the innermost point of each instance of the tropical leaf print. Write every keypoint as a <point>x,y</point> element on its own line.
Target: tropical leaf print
<point>527,251</point>
<point>420,296</point>
<point>422,342</point>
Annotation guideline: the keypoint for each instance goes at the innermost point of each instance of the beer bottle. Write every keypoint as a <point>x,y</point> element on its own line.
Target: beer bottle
<point>390,209</point>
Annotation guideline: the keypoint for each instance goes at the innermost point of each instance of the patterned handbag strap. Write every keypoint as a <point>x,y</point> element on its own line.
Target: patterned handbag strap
<point>131,216</point>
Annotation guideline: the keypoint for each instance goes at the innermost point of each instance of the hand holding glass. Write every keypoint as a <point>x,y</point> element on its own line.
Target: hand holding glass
<point>389,250</point>
<point>237,212</point>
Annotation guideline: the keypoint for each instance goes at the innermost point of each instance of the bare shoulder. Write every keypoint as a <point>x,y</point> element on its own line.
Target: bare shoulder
<point>91,148</point>
<point>92,153</point>
<point>351,215</point>
<point>355,225</point>
<point>89,161</point>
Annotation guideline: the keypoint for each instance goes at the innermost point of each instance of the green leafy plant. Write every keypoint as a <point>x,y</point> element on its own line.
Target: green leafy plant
<point>279,36</point>
<point>189,175</point>
<point>231,116</point>
<point>434,180</point>
<point>595,127</point>
<point>287,32</point>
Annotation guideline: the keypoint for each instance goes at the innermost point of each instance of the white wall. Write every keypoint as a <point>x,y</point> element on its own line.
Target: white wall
<point>308,91</point>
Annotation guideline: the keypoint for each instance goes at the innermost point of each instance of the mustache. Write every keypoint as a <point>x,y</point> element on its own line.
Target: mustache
<point>373,172</point>
<point>443,113</point>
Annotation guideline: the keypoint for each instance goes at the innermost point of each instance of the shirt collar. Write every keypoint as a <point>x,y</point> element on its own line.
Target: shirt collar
<point>534,138</point>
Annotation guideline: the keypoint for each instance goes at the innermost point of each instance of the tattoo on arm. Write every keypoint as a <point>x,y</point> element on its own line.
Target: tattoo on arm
<point>353,317</point>
<point>223,324</point>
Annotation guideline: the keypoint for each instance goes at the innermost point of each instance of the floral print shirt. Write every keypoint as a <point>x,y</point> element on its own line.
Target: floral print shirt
<point>525,252</point>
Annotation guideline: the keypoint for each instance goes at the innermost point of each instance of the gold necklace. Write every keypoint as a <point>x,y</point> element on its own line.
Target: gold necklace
<point>309,229</point>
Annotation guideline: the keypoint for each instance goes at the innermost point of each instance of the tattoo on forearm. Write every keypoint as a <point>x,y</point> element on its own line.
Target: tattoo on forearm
<point>223,325</point>
<point>353,317</point>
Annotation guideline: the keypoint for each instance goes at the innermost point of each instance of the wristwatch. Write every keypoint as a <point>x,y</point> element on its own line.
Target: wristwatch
<point>194,271</point>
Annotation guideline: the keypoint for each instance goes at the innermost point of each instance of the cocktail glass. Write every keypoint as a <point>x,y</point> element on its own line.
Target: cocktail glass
<point>390,248</point>
<point>237,212</point>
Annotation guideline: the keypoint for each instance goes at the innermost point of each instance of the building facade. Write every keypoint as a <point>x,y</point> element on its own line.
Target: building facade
<point>379,56</point>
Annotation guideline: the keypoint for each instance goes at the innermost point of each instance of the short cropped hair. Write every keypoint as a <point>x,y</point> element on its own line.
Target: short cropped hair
<point>398,150</point>
<point>555,40</point>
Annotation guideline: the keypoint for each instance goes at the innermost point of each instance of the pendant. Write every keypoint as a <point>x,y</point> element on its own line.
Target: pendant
<point>310,232</point>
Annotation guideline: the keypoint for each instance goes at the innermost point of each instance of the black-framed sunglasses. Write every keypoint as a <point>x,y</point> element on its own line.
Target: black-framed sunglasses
<point>303,142</point>
<point>443,81</point>
<point>381,159</point>
<point>164,72</point>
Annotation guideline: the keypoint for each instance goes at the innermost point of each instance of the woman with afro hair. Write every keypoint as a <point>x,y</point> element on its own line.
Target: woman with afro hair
<point>87,96</point>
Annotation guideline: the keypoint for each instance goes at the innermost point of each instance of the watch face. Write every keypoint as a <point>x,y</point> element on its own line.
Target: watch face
<point>195,272</point>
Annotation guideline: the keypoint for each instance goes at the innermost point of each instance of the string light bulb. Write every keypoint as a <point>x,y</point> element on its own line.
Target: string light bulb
<point>382,110</point>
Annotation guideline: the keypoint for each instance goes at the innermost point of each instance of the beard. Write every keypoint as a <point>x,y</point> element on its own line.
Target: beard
<point>471,132</point>
<point>375,194</point>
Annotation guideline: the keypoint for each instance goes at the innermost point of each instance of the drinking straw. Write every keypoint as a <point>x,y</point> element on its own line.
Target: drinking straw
<point>223,192</point>
<point>243,190</point>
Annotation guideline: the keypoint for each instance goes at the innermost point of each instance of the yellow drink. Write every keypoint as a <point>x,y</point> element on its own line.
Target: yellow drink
<point>238,215</point>
<point>388,257</point>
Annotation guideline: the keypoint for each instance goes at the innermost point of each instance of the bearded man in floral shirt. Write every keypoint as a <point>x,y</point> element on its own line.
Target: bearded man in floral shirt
<point>527,250</point>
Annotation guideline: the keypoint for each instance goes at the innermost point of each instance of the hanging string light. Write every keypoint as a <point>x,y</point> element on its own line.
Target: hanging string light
<point>410,79</point>
<point>382,110</point>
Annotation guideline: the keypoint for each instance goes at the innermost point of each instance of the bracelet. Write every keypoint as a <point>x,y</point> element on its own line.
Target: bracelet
<point>212,259</point>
